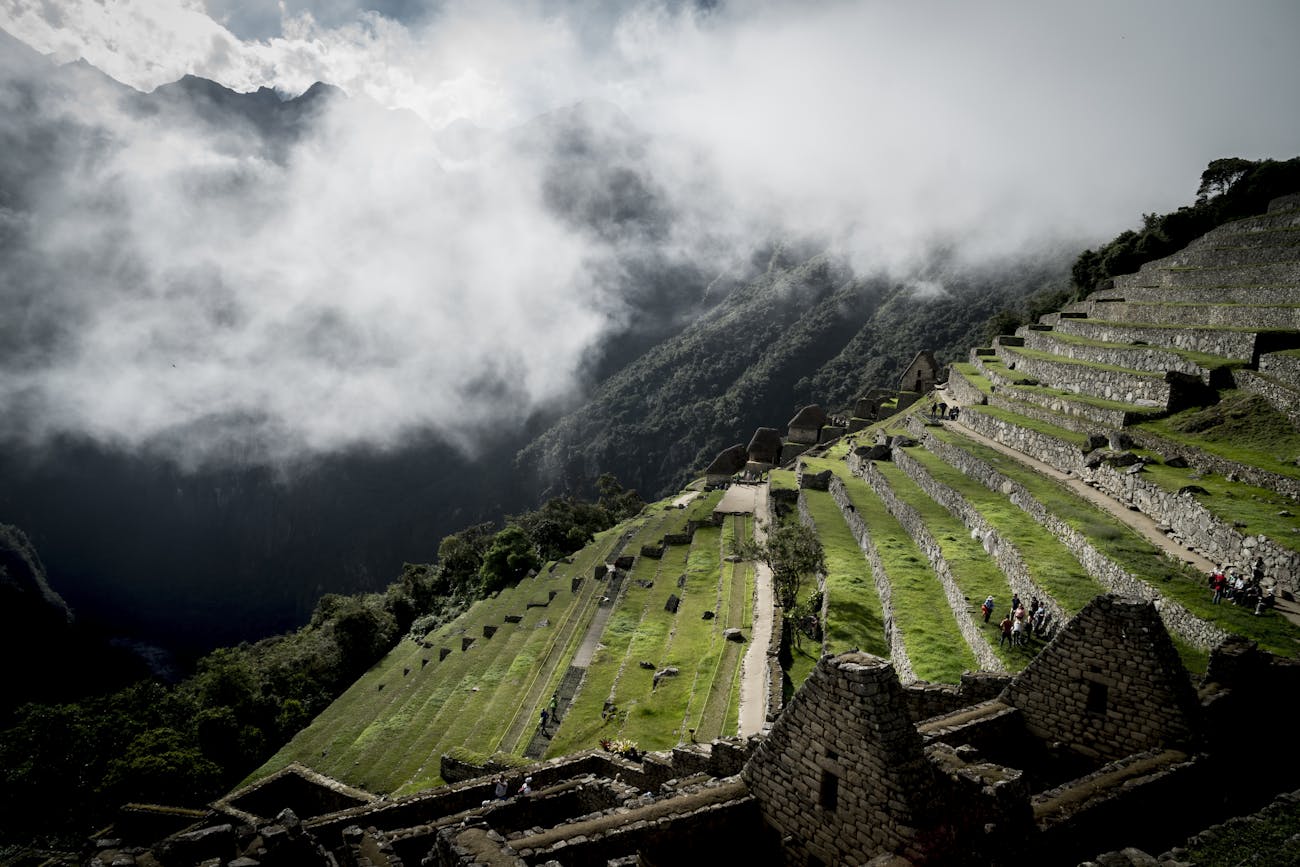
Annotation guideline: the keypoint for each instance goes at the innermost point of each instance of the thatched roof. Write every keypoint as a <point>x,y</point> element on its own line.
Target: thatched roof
<point>765,447</point>
<point>810,416</point>
<point>729,461</point>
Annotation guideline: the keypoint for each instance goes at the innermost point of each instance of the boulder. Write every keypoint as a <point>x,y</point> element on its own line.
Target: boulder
<point>733,635</point>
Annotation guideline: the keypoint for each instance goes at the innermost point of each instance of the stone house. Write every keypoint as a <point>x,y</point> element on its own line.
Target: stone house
<point>728,462</point>
<point>806,426</point>
<point>921,375</point>
<point>764,448</point>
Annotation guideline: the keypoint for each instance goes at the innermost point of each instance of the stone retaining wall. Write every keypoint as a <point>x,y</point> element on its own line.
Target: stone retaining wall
<point>1213,341</point>
<point>1105,571</point>
<point>1088,379</point>
<point>915,527</point>
<point>1002,550</point>
<point>1061,411</point>
<point>929,700</point>
<point>858,527</point>
<point>1195,527</point>
<point>1224,316</point>
<point>1134,288</point>
<point>1283,368</point>
<point>1273,274</point>
<point>1148,358</point>
<point>1064,456</point>
<point>967,394</point>
<point>1282,398</point>
<point>1209,463</point>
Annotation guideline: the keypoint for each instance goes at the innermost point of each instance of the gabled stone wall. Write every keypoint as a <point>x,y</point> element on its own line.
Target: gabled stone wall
<point>1110,685</point>
<point>843,774</point>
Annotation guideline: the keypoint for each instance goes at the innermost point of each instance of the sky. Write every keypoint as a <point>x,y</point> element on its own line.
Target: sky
<point>380,283</point>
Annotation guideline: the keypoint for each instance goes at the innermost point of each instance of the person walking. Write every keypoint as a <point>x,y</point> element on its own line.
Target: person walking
<point>1005,626</point>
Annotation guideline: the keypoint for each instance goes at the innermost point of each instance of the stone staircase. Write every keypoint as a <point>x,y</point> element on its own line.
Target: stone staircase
<point>1224,313</point>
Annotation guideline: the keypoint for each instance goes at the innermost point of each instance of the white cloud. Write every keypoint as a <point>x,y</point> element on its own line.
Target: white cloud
<point>371,287</point>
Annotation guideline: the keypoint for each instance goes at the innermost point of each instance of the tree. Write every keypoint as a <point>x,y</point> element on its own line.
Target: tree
<point>792,552</point>
<point>509,557</point>
<point>1220,175</point>
<point>619,502</point>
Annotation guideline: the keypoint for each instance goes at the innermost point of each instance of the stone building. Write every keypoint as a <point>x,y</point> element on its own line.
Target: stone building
<point>921,375</point>
<point>728,462</point>
<point>764,448</point>
<point>1072,757</point>
<point>806,426</point>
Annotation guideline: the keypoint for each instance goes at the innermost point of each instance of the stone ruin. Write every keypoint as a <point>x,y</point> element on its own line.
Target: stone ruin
<point>921,375</point>
<point>1051,766</point>
<point>764,449</point>
<point>728,462</point>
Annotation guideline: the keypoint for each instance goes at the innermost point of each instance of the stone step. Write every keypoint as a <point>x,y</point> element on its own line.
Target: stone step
<point>1241,344</point>
<point>1148,358</point>
<point>1119,384</point>
<point>1222,251</point>
<point>1273,295</point>
<point>1282,273</point>
<point>991,384</point>
<point>1255,316</point>
<point>1285,216</point>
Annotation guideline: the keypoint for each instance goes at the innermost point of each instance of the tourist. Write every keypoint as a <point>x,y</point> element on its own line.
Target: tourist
<point>1005,626</point>
<point>1219,583</point>
<point>1018,632</point>
<point>1040,619</point>
<point>546,717</point>
<point>1015,602</point>
<point>555,708</point>
<point>499,788</point>
<point>527,787</point>
<point>987,608</point>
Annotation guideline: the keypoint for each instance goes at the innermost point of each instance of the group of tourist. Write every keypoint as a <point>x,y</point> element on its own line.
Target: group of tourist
<point>940,411</point>
<point>1227,583</point>
<point>1020,622</point>
<point>501,789</point>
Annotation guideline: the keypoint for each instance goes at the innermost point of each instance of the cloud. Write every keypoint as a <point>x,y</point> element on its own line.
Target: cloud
<point>384,276</point>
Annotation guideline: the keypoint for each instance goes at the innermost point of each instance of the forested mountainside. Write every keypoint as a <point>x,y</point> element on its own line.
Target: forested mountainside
<point>189,557</point>
<point>809,330</point>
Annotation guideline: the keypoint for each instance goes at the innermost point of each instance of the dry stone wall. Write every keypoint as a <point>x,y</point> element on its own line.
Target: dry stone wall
<point>1209,463</point>
<point>1090,379</point>
<point>915,527</point>
<point>1195,527</point>
<point>858,527</point>
<point>1002,550</point>
<point>1238,345</point>
<point>967,394</point>
<point>1222,316</point>
<point>1055,452</point>
<point>1104,570</point>
<point>1147,358</point>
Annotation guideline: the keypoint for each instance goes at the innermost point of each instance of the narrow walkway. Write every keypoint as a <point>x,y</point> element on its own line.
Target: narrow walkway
<point>1141,523</point>
<point>753,667</point>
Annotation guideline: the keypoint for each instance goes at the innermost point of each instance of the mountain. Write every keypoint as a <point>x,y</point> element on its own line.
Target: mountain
<point>700,351</point>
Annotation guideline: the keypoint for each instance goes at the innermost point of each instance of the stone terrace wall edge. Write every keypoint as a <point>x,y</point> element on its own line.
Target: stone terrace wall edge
<point>1282,398</point>
<point>997,546</point>
<point>1050,450</point>
<point>1197,528</point>
<point>915,527</point>
<point>858,527</point>
<point>1107,572</point>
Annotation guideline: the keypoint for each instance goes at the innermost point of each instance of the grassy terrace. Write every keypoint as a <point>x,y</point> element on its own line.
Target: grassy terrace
<point>934,644</point>
<point>1060,433</point>
<point>1050,564</point>
<point>705,694</point>
<point>973,570</point>
<point>1257,435</point>
<point>389,729</point>
<point>853,614</point>
<point>981,382</point>
<point>1060,359</point>
<point>1250,509</point>
<point>1201,359</point>
<point>1132,552</point>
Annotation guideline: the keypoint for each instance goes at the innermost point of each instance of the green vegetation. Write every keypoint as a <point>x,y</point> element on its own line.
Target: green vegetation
<point>1241,427</point>
<point>1131,551</point>
<point>1268,840</point>
<point>1230,189</point>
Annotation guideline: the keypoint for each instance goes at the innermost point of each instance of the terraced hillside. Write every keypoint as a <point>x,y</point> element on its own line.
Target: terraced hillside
<point>1128,444</point>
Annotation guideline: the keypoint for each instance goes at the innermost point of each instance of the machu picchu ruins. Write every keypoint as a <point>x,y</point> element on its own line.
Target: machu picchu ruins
<point>686,718</point>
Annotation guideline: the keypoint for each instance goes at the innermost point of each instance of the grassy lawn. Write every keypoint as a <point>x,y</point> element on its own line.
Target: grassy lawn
<point>973,571</point>
<point>1242,427</point>
<point>1050,564</point>
<point>935,646</point>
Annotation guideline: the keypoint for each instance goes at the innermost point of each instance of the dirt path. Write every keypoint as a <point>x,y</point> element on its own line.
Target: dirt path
<point>753,668</point>
<point>1140,522</point>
